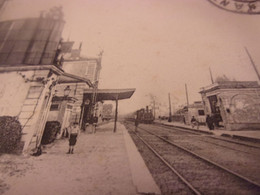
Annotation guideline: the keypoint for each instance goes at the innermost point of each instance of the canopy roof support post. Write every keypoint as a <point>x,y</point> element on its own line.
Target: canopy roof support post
<point>116,113</point>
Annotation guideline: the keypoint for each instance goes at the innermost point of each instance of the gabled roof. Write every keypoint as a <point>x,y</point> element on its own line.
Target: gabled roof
<point>111,94</point>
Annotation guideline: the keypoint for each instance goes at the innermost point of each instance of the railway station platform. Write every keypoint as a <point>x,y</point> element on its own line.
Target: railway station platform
<point>246,134</point>
<point>105,162</point>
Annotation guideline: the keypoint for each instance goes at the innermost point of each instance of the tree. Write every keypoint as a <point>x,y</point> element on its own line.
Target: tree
<point>154,103</point>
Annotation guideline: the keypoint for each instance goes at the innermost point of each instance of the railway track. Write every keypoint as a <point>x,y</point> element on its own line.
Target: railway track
<point>199,174</point>
<point>244,143</point>
<point>242,158</point>
<point>241,146</point>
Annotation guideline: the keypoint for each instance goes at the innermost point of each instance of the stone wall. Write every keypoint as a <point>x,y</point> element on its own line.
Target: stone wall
<point>25,94</point>
<point>13,92</point>
<point>37,106</point>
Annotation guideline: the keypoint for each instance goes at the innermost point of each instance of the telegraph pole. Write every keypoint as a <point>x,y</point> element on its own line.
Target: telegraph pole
<point>170,109</point>
<point>2,7</point>
<point>116,113</point>
<point>154,109</point>
<point>211,77</point>
<point>96,82</point>
<point>253,64</point>
<point>187,98</point>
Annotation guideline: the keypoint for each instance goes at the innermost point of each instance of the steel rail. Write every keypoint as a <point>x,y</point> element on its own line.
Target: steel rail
<point>223,146</point>
<point>235,142</point>
<point>211,136</point>
<point>168,165</point>
<point>207,160</point>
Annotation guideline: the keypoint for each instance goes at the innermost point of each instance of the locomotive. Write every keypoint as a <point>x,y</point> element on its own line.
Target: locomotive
<point>145,116</point>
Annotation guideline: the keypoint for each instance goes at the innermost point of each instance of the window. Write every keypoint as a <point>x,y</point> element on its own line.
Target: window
<point>201,112</point>
<point>69,107</point>
<point>54,107</point>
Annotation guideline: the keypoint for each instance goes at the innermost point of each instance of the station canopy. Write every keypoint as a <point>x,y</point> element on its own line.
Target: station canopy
<point>110,94</point>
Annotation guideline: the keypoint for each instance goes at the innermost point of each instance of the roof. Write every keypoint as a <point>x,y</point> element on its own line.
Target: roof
<point>63,76</point>
<point>230,85</point>
<point>70,78</point>
<point>80,59</point>
<point>111,94</point>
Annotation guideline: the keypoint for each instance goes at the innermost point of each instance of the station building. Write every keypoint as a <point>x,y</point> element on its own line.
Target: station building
<point>32,81</point>
<point>35,89</point>
<point>235,103</point>
<point>85,67</point>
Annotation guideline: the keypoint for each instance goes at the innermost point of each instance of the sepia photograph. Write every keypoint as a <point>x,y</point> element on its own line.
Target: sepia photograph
<point>129,97</point>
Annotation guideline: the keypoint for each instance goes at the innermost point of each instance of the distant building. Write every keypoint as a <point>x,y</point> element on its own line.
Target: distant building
<point>107,112</point>
<point>185,114</point>
<point>236,104</point>
<point>197,110</point>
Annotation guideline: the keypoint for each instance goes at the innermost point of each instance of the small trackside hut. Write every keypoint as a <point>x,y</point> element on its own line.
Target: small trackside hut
<point>235,104</point>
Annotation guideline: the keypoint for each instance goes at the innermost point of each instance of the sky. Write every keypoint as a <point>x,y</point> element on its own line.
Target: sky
<point>156,46</point>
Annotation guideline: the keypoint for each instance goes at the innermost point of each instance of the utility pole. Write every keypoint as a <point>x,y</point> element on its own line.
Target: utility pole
<point>211,77</point>
<point>96,82</point>
<point>116,113</point>
<point>3,5</point>
<point>187,98</point>
<point>253,64</point>
<point>170,109</point>
<point>154,109</point>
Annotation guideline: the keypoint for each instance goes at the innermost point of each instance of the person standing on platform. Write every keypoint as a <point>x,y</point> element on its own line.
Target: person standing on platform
<point>194,122</point>
<point>210,122</point>
<point>73,131</point>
